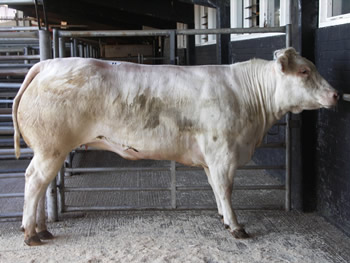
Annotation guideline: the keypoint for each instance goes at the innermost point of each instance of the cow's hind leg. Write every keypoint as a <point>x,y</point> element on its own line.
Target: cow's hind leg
<point>222,183</point>
<point>41,227</point>
<point>41,171</point>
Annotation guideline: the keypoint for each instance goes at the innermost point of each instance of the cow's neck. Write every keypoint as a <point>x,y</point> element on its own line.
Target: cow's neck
<point>258,90</point>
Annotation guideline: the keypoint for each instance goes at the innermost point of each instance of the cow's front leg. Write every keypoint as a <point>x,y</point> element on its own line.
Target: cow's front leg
<point>217,199</point>
<point>222,183</point>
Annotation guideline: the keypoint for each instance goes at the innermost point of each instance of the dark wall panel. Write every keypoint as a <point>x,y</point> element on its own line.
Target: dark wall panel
<point>333,128</point>
<point>205,55</point>
<point>256,48</point>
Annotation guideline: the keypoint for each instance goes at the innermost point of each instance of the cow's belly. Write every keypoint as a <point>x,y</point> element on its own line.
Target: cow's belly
<point>185,151</point>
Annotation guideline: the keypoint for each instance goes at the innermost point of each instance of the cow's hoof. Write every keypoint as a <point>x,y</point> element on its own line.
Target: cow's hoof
<point>33,241</point>
<point>45,235</point>
<point>240,233</point>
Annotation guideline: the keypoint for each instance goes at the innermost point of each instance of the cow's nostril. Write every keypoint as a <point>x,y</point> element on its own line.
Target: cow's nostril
<point>336,96</point>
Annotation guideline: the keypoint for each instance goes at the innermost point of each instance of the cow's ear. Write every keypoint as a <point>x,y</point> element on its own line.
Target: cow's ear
<point>284,59</point>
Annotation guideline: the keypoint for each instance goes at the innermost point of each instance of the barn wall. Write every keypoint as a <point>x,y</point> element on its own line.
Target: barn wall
<point>205,55</point>
<point>333,128</point>
<point>256,48</point>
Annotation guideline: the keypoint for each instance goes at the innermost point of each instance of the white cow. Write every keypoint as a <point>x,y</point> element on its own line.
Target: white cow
<point>208,116</point>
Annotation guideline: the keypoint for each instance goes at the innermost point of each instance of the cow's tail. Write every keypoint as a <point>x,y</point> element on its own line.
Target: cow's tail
<point>28,79</point>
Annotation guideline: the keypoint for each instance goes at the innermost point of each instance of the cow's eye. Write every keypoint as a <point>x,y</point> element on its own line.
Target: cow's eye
<point>304,71</point>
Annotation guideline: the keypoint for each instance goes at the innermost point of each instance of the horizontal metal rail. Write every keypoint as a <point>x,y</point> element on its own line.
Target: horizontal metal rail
<point>12,195</point>
<point>12,151</point>
<point>113,189</point>
<point>178,188</point>
<point>19,41</point>
<point>5,101</point>
<point>16,65</point>
<point>10,85</point>
<point>20,57</point>
<point>5,35</point>
<point>12,175</point>
<point>235,187</point>
<point>10,215</point>
<point>154,169</point>
<point>19,28</point>
<point>251,30</point>
<point>130,33</point>
<point>13,72</point>
<point>6,130</point>
<point>69,208</point>
<point>116,169</point>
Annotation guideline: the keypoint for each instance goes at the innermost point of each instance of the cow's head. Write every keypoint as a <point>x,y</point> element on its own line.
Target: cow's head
<point>300,84</point>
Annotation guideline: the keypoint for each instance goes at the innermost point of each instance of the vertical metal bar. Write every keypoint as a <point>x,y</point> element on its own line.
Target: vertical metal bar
<point>75,47</point>
<point>26,53</point>
<point>172,39</point>
<point>173,184</point>
<point>55,43</point>
<point>71,48</point>
<point>44,44</point>
<point>62,47</point>
<point>81,50</point>
<point>288,35</point>
<point>288,163</point>
<point>60,186</point>
<point>90,52</point>
<point>288,137</point>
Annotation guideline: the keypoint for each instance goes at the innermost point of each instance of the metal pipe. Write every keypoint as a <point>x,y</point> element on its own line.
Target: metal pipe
<point>62,47</point>
<point>114,33</point>
<point>288,163</point>
<point>55,43</point>
<point>61,190</point>
<point>14,72</point>
<point>45,44</point>
<point>114,189</point>
<point>75,47</point>
<point>235,187</point>
<point>250,30</point>
<point>81,51</point>
<point>14,35</point>
<point>172,39</point>
<point>20,57</point>
<point>11,175</point>
<point>173,183</point>
<point>12,195</point>
<point>12,151</point>
<point>9,215</point>
<point>10,85</point>
<point>19,41</point>
<point>19,28</point>
<point>112,208</point>
<point>346,97</point>
<point>128,33</point>
<point>116,169</point>
<point>288,32</point>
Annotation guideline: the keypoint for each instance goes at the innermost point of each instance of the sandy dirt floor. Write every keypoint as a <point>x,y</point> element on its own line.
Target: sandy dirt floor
<point>180,236</point>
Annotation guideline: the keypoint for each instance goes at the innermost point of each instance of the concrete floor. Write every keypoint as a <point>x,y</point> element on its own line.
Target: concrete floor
<point>169,236</point>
